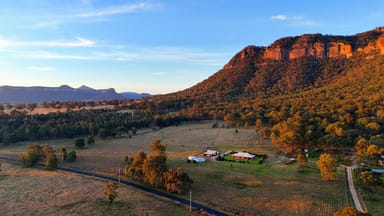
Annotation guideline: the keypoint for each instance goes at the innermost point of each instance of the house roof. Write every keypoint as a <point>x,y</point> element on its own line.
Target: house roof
<point>210,152</point>
<point>243,155</point>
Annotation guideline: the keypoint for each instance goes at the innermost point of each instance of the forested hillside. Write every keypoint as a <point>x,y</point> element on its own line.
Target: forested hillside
<point>326,100</point>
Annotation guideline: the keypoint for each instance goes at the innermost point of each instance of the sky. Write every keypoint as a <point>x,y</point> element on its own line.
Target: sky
<point>155,46</point>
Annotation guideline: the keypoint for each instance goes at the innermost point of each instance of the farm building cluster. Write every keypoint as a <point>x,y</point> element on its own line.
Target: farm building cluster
<point>218,155</point>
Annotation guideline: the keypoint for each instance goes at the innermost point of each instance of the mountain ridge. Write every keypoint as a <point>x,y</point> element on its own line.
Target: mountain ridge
<point>38,94</point>
<point>287,64</point>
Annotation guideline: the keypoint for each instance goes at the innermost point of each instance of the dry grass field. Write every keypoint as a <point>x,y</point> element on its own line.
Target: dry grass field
<point>39,192</point>
<point>271,188</point>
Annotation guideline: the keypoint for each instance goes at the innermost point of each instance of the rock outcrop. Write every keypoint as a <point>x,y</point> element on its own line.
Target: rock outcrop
<point>245,57</point>
<point>311,45</point>
<point>321,46</point>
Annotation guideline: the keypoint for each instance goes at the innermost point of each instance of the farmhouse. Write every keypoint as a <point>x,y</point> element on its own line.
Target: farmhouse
<point>210,153</point>
<point>243,156</point>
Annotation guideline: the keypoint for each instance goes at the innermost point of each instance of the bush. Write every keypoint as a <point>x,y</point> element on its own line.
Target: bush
<point>90,140</point>
<point>51,162</point>
<point>32,155</point>
<point>64,154</point>
<point>79,143</point>
<point>177,181</point>
<point>220,158</point>
<point>72,156</point>
<point>261,161</point>
<point>110,191</point>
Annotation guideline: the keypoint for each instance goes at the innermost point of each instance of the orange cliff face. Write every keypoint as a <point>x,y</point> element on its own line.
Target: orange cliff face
<point>317,49</point>
<point>276,53</point>
<point>376,47</point>
<point>380,44</point>
<point>340,49</point>
<point>311,45</point>
<point>321,46</point>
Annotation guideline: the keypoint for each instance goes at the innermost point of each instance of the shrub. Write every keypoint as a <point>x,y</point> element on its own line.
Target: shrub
<point>177,181</point>
<point>79,143</point>
<point>72,156</point>
<point>90,140</point>
<point>110,191</point>
<point>32,155</point>
<point>51,161</point>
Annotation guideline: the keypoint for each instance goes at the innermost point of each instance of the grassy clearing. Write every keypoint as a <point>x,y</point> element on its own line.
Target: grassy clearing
<point>374,200</point>
<point>375,203</point>
<point>271,188</point>
<point>40,192</point>
<point>267,189</point>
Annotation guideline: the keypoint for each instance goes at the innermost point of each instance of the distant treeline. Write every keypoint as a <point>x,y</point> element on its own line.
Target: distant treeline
<point>21,126</point>
<point>103,123</point>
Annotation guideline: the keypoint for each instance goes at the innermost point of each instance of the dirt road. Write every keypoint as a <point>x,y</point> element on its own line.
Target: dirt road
<point>352,189</point>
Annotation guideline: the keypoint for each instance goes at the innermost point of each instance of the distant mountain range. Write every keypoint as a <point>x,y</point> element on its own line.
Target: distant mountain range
<point>37,94</point>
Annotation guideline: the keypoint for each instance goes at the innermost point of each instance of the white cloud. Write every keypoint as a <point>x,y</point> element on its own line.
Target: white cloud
<point>116,56</point>
<point>41,68</point>
<point>87,2</point>
<point>105,52</point>
<point>157,73</point>
<point>51,55</point>
<point>189,55</point>
<point>53,24</point>
<point>79,42</point>
<point>279,17</point>
<point>88,14</point>
<point>295,20</point>
<point>122,9</point>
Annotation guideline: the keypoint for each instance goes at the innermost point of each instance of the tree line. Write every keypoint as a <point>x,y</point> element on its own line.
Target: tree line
<point>35,153</point>
<point>103,123</point>
<point>152,169</point>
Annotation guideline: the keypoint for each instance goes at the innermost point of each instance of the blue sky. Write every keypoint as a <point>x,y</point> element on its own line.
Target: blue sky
<point>155,46</point>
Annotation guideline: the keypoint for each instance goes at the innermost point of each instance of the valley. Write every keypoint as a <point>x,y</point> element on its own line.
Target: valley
<point>270,188</point>
<point>304,95</point>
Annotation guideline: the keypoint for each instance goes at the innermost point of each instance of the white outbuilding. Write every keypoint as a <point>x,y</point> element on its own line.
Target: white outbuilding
<point>211,153</point>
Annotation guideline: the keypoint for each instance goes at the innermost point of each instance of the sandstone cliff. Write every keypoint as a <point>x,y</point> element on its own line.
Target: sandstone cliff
<point>312,45</point>
<point>321,46</point>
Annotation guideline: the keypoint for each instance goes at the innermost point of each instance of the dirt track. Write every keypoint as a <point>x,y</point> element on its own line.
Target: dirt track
<point>352,189</point>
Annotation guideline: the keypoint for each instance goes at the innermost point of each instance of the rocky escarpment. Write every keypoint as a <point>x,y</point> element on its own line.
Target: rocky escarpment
<point>321,46</point>
<point>312,45</point>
